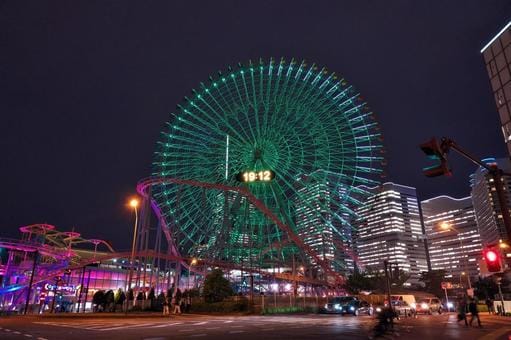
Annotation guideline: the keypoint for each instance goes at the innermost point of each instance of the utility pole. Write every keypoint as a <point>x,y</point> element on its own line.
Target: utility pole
<point>387,265</point>
<point>36,255</point>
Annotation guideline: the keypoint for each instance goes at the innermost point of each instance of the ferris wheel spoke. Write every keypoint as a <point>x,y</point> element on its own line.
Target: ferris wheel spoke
<point>300,122</point>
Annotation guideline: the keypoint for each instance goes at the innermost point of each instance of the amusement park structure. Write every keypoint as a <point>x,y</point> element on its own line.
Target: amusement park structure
<point>258,173</point>
<point>42,254</point>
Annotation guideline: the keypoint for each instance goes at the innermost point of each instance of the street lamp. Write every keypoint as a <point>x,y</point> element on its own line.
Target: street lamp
<point>503,245</point>
<point>192,263</point>
<point>448,226</point>
<point>134,202</point>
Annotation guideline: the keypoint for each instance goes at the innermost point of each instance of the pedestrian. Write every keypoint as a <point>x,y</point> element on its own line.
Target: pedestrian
<point>462,310</point>
<point>176,302</point>
<point>165,305</point>
<point>489,304</point>
<point>472,307</point>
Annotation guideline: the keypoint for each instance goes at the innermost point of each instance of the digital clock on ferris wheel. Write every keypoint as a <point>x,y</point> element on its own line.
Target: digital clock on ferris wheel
<point>256,176</point>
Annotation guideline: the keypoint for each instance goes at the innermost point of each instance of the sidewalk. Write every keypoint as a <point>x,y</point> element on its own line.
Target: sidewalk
<point>102,315</point>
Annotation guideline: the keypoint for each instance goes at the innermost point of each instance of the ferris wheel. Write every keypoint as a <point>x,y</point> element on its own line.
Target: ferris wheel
<point>295,136</point>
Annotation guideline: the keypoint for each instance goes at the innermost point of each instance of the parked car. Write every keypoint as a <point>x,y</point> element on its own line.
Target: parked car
<point>335,304</point>
<point>357,307</point>
<point>429,305</point>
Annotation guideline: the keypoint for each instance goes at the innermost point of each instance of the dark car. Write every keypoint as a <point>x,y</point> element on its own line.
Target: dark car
<point>334,305</point>
<point>357,307</point>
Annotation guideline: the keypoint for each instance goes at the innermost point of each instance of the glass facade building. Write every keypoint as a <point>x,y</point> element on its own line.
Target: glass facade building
<point>497,57</point>
<point>453,237</point>
<point>388,227</point>
<point>487,209</point>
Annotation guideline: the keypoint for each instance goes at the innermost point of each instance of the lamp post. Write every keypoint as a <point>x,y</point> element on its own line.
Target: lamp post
<point>192,263</point>
<point>449,226</point>
<point>133,204</point>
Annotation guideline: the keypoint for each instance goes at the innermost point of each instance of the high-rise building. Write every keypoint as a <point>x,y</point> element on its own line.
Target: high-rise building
<point>497,56</point>
<point>321,224</point>
<point>488,210</point>
<point>313,218</point>
<point>388,227</point>
<point>453,238</point>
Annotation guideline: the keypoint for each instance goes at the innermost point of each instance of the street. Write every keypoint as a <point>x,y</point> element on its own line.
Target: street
<point>308,326</point>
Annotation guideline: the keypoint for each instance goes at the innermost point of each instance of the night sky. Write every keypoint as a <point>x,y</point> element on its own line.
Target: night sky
<point>86,87</point>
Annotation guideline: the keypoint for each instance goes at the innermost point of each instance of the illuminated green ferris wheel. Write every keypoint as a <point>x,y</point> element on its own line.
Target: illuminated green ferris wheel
<point>299,139</point>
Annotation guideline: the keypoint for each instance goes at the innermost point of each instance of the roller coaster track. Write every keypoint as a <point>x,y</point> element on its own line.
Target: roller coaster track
<point>196,269</point>
<point>145,184</point>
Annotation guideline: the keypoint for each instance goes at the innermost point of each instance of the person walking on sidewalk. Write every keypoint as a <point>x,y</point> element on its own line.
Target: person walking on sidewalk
<point>472,307</point>
<point>462,310</point>
<point>489,304</point>
<point>176,302</point>
<point>166,305</point>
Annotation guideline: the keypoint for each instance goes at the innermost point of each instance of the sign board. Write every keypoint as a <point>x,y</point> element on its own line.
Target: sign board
<point>446,285</point>
<point>64,289</point>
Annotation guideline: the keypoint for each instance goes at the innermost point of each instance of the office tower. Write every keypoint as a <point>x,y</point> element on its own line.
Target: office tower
<point>497,57</point>
<point>488,210</point>
<point>389,228</point>
<point>453,237</point>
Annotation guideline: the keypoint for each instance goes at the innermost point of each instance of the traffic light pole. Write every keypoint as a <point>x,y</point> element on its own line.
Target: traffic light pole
<point>494,171</point>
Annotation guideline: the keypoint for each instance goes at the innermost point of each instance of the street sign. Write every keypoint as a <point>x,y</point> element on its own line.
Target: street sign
<point>446,285</point>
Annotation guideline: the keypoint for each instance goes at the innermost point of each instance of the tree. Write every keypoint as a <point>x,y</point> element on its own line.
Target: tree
<point>152,297</point>
<point>216,286</point>
<point>140,296</point>
<point>98,299</point>
<point>131,296</point>
<point>120,297</point>
<point>109,301</point>
<point>358,282</point>
<point>433,281</point>
<point>372,280</point>
<point>159,301</point>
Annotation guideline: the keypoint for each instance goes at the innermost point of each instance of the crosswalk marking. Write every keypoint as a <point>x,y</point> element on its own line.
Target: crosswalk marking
<point>140,325</point>
<point>167,324</point>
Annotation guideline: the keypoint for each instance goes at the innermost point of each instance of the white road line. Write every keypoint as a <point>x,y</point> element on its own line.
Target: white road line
<point>40,338</point>
<point>27,335</point>
<point>16,332</point>
<point>7,330</point>
<point>200,323</point>
<point>167,325</point>
<point>127,326</point>
<point>228,321</point>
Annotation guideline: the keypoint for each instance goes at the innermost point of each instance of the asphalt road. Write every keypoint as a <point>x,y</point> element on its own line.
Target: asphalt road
<point>244,327</point>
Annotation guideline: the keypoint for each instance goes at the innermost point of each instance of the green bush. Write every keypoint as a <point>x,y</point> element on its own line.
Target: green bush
<point>221,307</point>
<point>216,287</point>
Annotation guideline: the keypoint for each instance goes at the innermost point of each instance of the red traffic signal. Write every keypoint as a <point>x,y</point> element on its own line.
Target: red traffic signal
<point>436,151</point>
<point>492,259</point>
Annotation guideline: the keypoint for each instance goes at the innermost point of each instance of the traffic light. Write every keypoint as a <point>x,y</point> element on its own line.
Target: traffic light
<point>438,152</point>
<point>492,259</point>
